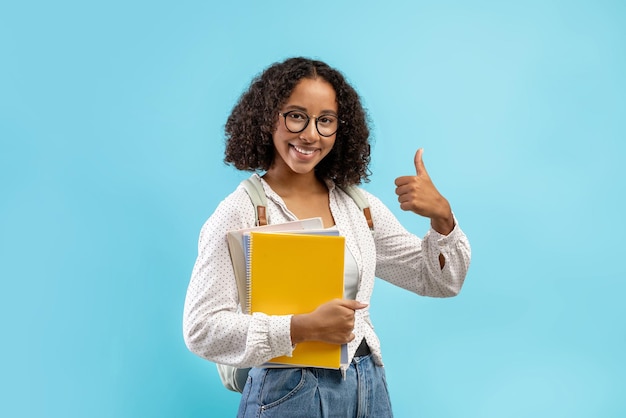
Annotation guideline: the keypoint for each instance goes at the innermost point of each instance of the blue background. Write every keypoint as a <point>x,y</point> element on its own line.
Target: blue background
<point>111,129</point>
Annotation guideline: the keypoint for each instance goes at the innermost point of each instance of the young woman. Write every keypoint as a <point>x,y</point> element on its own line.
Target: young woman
<point>303,126</point>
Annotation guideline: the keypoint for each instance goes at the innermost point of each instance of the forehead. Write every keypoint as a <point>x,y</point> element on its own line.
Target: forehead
<point>313,94</point>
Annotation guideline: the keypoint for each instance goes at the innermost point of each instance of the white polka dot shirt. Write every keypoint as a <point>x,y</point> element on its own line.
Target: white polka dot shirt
<point>215,328</point>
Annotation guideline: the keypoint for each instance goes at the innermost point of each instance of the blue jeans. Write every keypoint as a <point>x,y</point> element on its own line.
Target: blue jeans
<point>313,392</point>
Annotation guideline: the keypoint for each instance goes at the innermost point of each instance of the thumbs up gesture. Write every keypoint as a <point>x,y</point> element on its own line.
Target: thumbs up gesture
<point>418,194</point>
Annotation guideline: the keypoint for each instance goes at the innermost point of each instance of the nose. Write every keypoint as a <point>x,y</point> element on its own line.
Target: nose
<point>310,134</point>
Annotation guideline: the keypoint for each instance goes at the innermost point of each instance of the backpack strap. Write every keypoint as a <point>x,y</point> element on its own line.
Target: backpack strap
<point>254,188</point>
<point>361,201</point>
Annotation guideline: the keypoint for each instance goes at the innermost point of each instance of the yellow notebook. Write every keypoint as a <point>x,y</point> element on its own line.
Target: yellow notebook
<point>238,256</point>
<point>293,273</point>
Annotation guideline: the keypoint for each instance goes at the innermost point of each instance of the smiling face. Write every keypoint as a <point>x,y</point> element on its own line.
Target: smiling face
<point>299,153</point>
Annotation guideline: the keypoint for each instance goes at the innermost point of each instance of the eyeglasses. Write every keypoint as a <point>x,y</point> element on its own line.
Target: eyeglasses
<point>296,121</point>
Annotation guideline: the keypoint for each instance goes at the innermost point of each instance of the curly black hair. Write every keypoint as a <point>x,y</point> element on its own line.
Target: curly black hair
<point>252,122</point>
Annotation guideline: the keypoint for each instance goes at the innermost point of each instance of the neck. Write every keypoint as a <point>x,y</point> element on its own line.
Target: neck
<point>286,184</point>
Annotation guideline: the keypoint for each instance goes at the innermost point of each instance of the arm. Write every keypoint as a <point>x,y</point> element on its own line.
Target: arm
<point>436,266</point>
<point>407,261</point>
<point>213,326</point>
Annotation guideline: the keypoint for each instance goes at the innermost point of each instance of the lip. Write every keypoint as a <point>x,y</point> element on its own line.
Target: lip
<point>303,151</point>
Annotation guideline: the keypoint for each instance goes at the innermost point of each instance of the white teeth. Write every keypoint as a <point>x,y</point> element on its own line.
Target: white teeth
<point>303,151</point>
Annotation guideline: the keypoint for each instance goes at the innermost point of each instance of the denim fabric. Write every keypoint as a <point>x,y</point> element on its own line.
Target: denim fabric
<point>313,392</point>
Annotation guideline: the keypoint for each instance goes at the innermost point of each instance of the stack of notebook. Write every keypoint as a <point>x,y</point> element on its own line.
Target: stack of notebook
<point>291,268</point>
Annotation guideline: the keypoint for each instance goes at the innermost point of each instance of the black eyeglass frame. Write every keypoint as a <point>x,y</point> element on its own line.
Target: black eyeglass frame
<point>308,119</point>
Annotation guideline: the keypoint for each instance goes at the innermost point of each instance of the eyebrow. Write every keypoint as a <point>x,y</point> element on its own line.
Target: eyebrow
<point>323,112</point>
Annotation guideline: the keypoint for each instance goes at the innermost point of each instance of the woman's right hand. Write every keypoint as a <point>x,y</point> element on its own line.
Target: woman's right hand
<point>332,322</point>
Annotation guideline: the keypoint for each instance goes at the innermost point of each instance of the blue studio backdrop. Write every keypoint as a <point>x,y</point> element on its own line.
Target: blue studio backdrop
<point>111,132</point>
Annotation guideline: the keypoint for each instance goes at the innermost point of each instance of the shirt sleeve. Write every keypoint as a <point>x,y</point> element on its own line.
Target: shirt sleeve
<point>407,261</point>
<point>213,325</point>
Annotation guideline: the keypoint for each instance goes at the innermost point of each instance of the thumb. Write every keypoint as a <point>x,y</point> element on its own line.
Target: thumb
<point>354,304</point>
<point>420,169</point>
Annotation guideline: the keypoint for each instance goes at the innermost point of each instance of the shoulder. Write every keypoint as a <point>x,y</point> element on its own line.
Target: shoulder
<point>235,211</point>
<point>372,200</point>
<point>358,196</point>
<point>381,214</point>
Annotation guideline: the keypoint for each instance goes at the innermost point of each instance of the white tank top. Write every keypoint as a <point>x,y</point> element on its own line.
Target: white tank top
<point>350,274</point>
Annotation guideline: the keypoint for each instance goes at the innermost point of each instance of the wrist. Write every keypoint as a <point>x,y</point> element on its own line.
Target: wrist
<point>444,224</point>
<point>299,328</point>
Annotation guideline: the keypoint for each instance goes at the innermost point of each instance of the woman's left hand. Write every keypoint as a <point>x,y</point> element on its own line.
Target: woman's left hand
<point>418,194</point>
